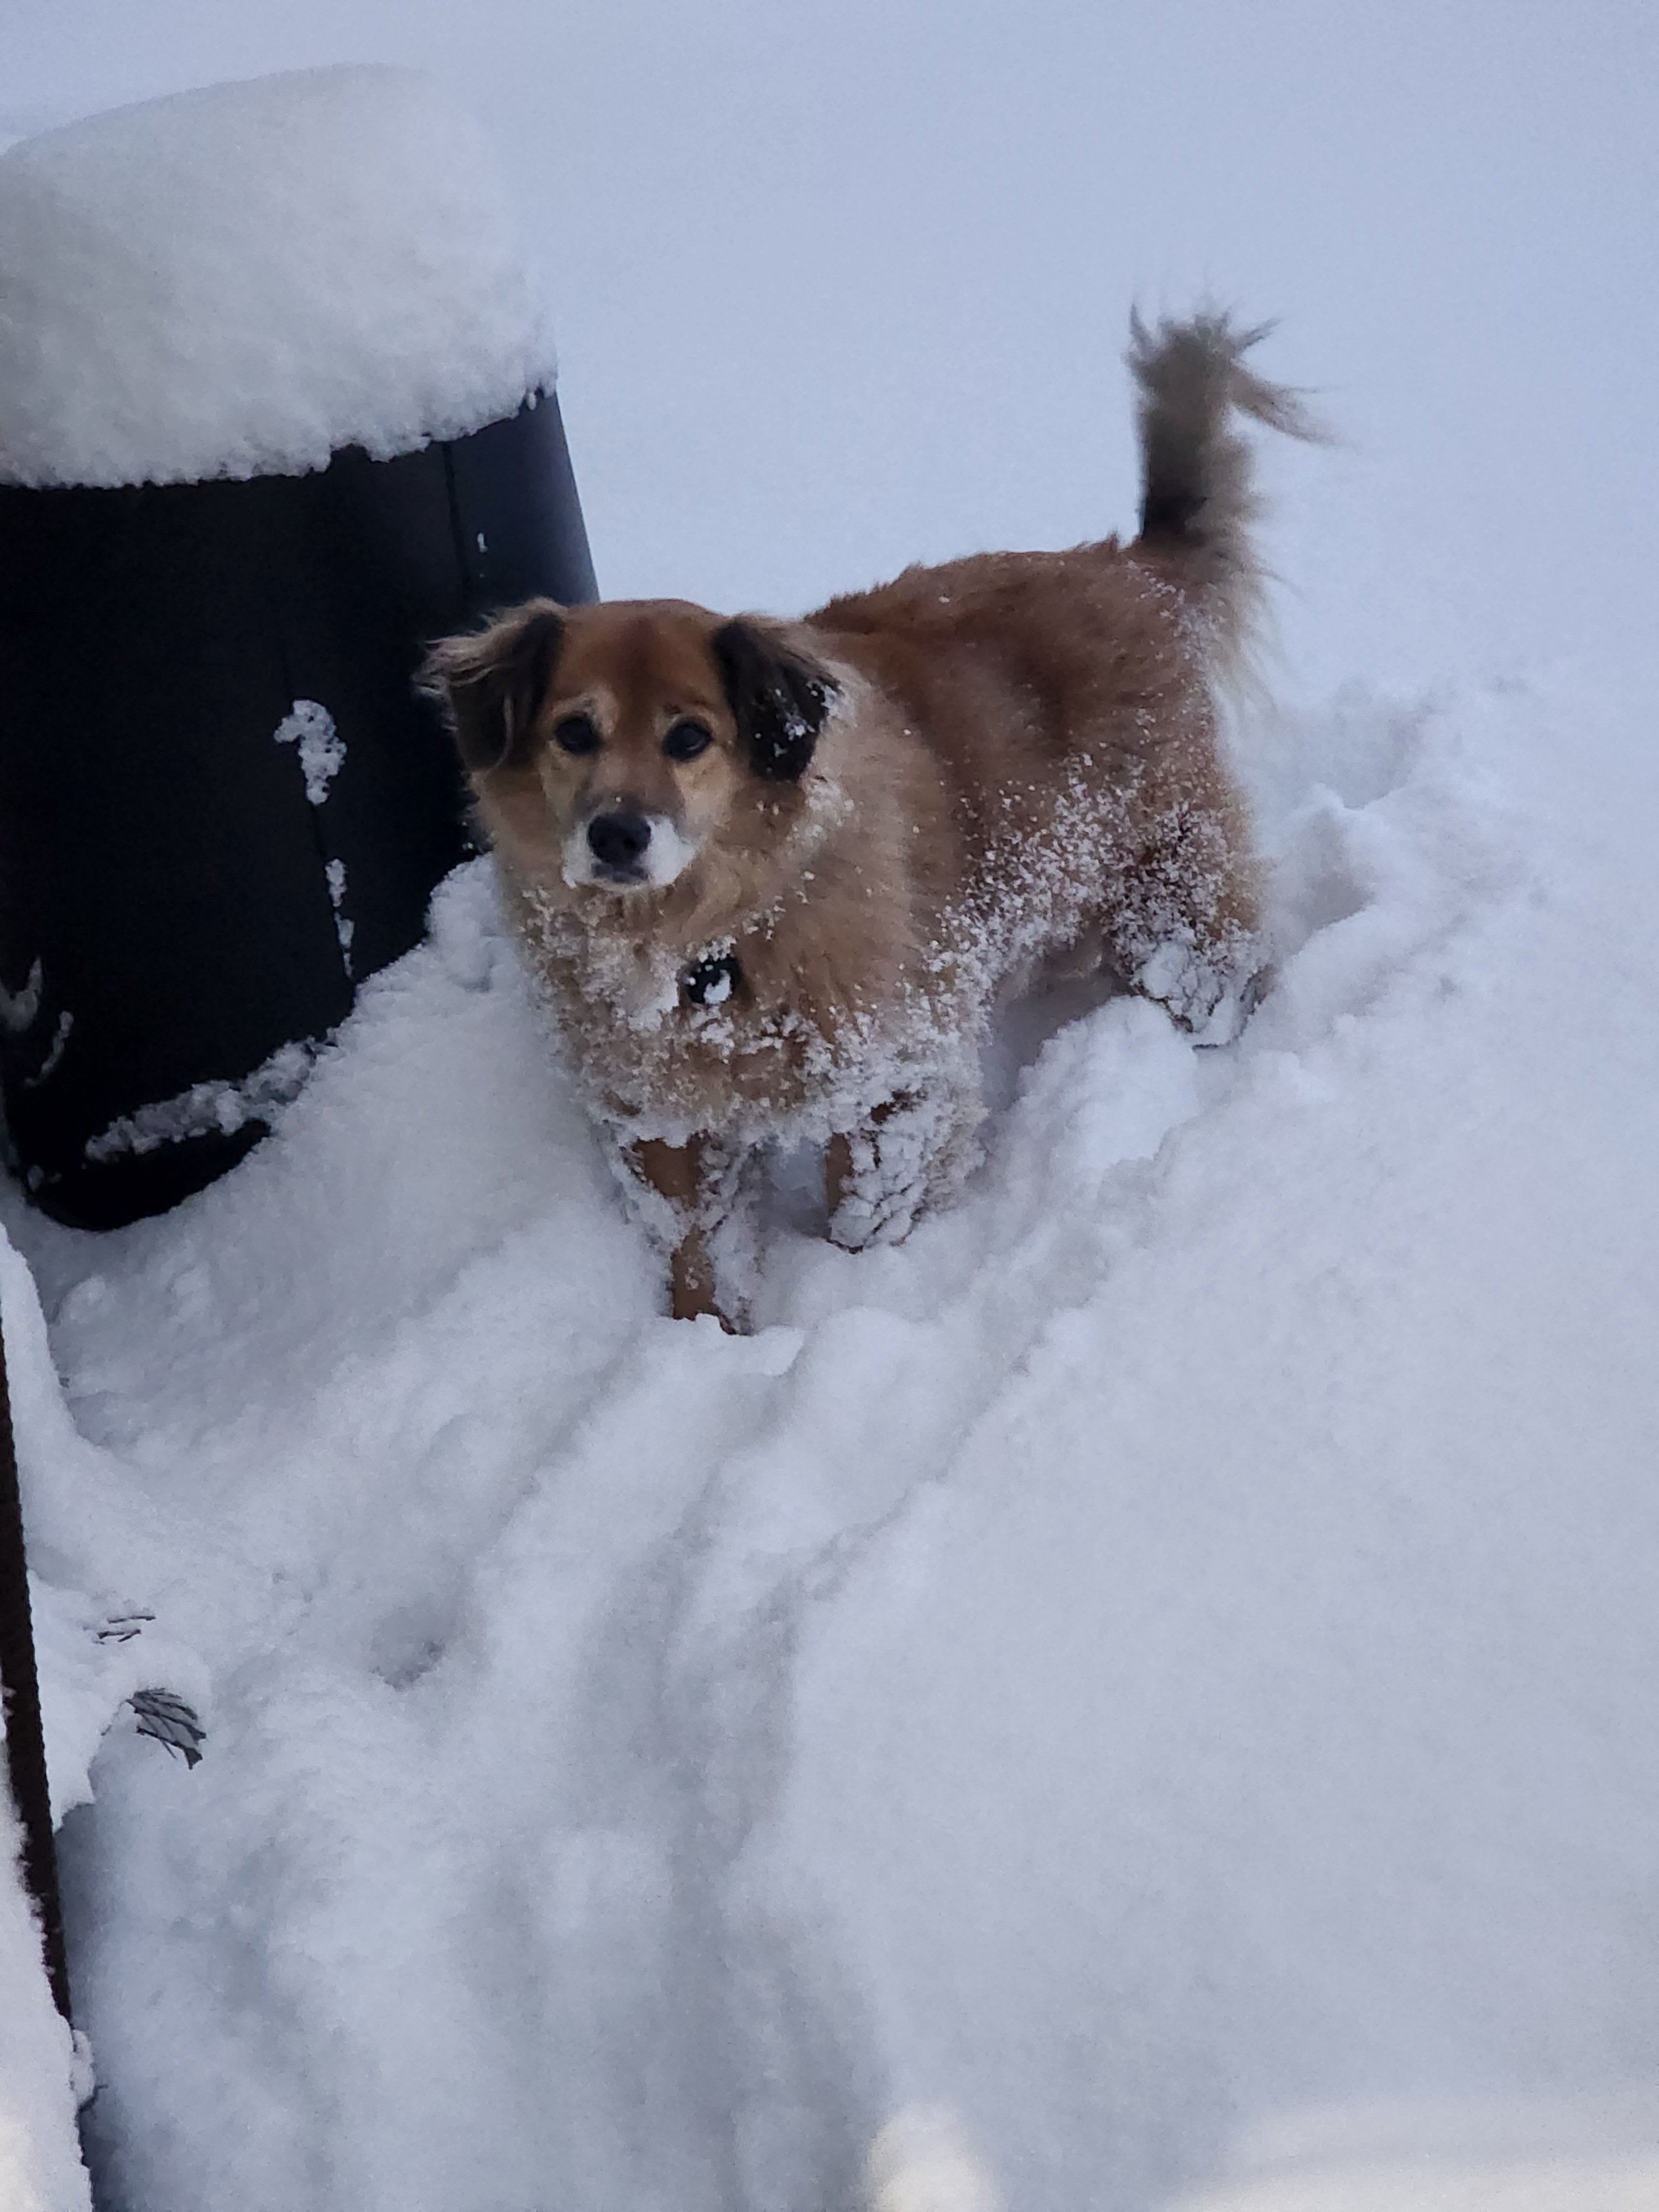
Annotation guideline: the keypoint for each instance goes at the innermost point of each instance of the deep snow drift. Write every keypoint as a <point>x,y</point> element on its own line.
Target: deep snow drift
<point>1168,1644</point>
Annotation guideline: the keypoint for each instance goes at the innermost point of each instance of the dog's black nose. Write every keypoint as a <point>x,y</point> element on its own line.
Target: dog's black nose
<point>616,841</point>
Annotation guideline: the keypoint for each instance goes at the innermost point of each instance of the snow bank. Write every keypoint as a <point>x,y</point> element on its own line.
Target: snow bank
<point>93,1654</point>
<point>1169,1643</point>
<point>239,281</point>
<point>40,2168</point>
<point>95,1644</point>
<point>1565,2155</point>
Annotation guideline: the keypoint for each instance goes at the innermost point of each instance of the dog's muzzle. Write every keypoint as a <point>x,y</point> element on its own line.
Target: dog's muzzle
<point>625,848</point>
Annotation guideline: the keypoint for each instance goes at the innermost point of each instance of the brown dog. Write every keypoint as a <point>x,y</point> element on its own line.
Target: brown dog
<point>774,876</point>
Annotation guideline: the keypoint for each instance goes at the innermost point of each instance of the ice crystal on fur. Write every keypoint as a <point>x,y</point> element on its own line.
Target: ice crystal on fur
<point>915,1155</point>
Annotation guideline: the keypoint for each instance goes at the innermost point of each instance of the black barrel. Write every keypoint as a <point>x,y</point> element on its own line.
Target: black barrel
<point>221,804</point>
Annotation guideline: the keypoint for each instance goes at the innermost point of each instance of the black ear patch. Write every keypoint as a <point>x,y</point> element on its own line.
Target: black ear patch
<point>489,683</point>
<point>779,702</point>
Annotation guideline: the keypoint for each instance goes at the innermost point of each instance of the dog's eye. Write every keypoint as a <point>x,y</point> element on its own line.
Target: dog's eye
<point>577,733</point>
<point>686,740</point>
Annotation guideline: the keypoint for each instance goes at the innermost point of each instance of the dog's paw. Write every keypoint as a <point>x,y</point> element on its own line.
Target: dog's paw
<point>872,1205</point>
<point>1210,999</point>
<point>860,1222</point>
<point>1227,1020</point>
<point>879,1177</point>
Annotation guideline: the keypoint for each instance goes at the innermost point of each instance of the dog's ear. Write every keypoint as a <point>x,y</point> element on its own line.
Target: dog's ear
<point>490,682</point>
<point>778,701</point>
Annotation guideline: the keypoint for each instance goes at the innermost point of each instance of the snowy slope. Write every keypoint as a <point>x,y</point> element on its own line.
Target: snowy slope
<point>1172,1646</point>
<point>1167,1644</point>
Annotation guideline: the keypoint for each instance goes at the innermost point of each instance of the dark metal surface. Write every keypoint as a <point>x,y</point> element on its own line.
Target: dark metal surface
<point>167,917</point>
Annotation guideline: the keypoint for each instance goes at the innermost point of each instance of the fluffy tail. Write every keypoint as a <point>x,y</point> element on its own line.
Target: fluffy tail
<point>1198,501</point>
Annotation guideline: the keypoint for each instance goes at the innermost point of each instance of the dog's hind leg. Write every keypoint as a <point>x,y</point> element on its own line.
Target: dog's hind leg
<point>1184,927</point>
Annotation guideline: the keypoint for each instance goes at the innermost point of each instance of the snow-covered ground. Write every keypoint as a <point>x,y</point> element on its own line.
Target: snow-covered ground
<point>1160,1667</point>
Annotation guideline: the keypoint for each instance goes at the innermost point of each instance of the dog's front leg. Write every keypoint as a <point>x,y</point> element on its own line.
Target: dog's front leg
<point>909,1153</point>
<point>702,1184</point>
<point>674,1172</point>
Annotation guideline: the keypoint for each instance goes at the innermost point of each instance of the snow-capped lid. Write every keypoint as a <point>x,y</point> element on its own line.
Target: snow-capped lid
<point>239,281</point>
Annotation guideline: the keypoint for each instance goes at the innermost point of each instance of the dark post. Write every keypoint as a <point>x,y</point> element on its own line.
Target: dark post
<point>220,803</point>
<point>280,414</point>
<point>19,1690</point>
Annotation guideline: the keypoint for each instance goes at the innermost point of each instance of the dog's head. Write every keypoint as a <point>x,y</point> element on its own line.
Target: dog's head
<point>610,743</point>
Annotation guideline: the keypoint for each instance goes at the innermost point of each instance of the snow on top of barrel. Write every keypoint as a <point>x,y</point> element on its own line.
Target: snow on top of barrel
<point>239,281</point>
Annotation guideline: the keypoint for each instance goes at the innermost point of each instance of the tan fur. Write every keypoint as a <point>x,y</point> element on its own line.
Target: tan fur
<point>1017,771</point>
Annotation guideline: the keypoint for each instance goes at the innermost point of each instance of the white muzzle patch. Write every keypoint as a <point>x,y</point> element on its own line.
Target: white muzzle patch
<point>664,856</point>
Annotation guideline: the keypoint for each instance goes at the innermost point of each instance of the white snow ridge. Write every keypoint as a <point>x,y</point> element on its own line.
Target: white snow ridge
<point>216,1107</point>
